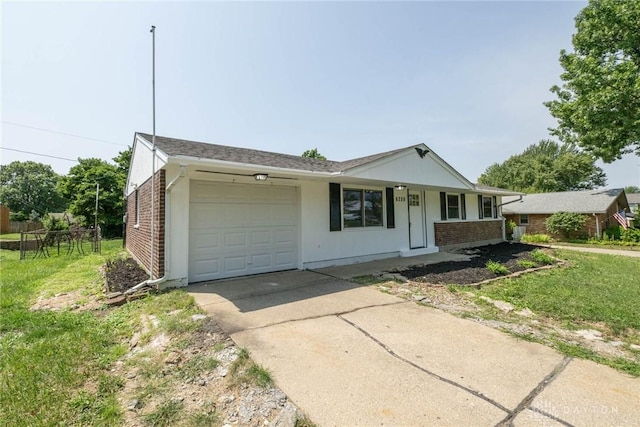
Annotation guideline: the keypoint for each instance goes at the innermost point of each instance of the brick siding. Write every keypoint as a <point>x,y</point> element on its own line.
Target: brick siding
<point>537,224</point>
<point>461,233</point>
<point>138,239</point>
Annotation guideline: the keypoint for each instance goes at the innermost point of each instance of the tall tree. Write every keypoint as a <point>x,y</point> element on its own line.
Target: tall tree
<point>80,187</point>
<point>546,167</point>
<point>598,105</point>
<point>314,154</point>
<point>27,187</point>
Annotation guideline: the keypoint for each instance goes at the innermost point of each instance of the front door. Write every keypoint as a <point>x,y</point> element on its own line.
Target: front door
<point>416,220</point>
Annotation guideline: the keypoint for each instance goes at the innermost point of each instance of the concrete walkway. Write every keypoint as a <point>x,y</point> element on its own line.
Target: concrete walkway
<point>352,355</point>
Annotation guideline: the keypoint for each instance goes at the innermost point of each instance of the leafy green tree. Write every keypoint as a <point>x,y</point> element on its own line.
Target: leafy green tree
<point>598,105</point>
<point>313,154</point>
<point>631,189</point>
<point>565,223</point>
<point>546,167</point>
<point>80,187</point>
<point>27,187</point>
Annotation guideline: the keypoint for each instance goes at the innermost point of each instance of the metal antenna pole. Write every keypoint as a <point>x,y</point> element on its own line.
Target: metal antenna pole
<point>153,151</point>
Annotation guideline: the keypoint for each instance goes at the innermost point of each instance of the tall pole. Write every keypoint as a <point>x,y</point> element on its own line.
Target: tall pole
<point>95,222</point>
<point>153,151</point>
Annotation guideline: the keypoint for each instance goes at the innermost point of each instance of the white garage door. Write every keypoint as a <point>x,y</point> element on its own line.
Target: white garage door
<point>240,229</point>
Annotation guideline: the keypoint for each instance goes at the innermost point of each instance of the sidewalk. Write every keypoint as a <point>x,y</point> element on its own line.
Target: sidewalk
<point>635,254</point>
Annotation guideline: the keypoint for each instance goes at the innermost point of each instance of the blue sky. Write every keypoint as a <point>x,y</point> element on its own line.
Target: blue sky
<point>352,79</point>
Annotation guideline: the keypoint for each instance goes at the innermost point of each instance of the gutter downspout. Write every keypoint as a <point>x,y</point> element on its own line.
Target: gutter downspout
<point>504,220</point>
<point>597,225</point>
<point>167,222</point>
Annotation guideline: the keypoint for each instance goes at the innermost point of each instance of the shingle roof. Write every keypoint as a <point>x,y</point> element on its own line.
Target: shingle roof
<point>587,201</point>
<point>202,150</point>
<point>633,198</point>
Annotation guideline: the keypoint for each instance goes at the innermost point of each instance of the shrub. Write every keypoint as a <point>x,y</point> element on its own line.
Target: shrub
<point>539,256</point>
<point>630,235</point>
<point>525,263</point>
<point>536,238</point>
<point>497,268</point>
<point>54,224</point>
<point>509,226</point>
<point>565,223</point>
<point>612,233</point>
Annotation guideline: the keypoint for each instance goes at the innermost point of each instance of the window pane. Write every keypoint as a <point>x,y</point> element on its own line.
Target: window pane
<point>352,208</point>
<point>487,207</point>
<point>373,208</point>
<point>453,206</point>
<point>524,219</point>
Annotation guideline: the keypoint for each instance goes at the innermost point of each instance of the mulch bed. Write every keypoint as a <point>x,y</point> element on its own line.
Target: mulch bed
<point>122,274</point>
<point>474,270</point>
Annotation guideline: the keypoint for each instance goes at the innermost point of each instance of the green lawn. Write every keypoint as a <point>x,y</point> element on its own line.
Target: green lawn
<point>10,236</point>
<point>47,358</point>
<point>601,291</point>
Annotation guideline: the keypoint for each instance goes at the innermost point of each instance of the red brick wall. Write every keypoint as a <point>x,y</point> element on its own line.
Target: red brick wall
<point>467,232</point>
<point>139,237</point>
<point>537,224</point>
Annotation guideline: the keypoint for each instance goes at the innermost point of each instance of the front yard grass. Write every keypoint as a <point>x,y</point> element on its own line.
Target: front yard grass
<point>594,288</point>
<point>595,291</point>
<point>45,355</point>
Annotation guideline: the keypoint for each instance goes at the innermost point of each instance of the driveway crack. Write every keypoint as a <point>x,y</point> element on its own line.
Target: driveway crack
<point>524,404</point>
<point>426,371</point>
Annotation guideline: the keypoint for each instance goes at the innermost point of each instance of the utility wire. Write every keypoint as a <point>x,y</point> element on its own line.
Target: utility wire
<point>62,133</point>
<point>38,154</point>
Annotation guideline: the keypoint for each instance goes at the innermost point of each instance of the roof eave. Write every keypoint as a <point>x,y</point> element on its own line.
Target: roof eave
<point>255,168</point>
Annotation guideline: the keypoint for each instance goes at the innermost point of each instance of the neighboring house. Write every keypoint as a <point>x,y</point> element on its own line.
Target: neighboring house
<point>599,205</point>
<point>634,202</point>
<point>224,211</point>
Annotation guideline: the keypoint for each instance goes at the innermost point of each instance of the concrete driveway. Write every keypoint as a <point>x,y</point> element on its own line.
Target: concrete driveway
<point>351,355</point>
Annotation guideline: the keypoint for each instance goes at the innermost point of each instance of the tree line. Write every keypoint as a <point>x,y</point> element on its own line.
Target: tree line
<point>32,190</point>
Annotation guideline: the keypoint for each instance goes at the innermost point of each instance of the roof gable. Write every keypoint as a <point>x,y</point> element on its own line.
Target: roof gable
<point>587,201</point>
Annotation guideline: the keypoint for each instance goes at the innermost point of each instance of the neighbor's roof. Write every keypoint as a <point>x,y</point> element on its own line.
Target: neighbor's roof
<point>633,198</point>
<point>587,201</point>
<point>180,147</point>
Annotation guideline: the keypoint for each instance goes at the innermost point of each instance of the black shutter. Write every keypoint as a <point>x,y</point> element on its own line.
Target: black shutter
<point>335,210</point>
<point>480,207</point>
<point>443,205</point>
<point>391,213</point>
<point>463,206</point>
<point>495,207</point>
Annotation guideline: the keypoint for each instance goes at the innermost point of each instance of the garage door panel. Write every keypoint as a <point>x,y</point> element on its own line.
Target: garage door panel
<point>235,264</point>
<point>235,239</point>
<point>285,259</point>
<point>239,229</point>
<point>261,237</point>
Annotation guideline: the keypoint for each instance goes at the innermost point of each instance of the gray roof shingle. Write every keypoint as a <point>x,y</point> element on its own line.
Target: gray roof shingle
<point>587,201</point>
<point>633,198</point>
<point>180,147</point>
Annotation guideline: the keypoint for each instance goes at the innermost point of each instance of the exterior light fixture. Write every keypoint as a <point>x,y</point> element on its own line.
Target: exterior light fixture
<point>260,176</point>
<point>400,187</point>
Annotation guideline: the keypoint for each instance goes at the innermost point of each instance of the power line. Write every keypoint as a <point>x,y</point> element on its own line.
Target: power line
<point>62,133</point>
<point>38,154</point>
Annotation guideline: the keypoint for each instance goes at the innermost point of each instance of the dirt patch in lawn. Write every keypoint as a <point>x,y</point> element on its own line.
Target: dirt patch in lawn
<point>513,256</point>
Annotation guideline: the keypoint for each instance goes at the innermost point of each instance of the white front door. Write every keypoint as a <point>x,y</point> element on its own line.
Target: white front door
<point>416,220</point>
<point>241,229</point>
